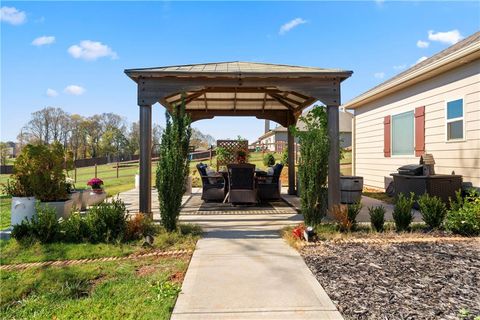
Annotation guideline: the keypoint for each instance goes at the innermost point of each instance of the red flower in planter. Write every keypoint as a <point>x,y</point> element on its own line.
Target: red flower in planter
<point>95,183</point>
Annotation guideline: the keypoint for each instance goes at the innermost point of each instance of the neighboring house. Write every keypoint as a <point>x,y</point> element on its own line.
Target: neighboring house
<point>433,107</point>
<point>279,134</point>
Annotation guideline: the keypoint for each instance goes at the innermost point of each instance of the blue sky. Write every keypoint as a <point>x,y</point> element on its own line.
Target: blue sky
<point>79,50</point>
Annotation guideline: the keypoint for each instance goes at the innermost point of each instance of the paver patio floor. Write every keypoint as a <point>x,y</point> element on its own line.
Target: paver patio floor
<point>243,269</point>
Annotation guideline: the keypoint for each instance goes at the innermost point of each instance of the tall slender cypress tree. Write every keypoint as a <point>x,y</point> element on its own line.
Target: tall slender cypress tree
<point>173,165</point>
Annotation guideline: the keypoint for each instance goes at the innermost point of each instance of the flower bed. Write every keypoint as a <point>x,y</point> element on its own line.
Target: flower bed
<point>403,280</point>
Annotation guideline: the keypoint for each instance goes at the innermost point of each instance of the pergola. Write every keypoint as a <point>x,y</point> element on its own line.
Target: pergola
<point>265,91</point>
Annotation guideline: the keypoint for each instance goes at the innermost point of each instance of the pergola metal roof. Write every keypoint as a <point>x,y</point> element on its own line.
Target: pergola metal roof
<point>267,91</point>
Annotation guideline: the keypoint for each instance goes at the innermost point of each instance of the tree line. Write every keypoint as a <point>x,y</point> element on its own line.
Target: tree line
<point>100,135</point>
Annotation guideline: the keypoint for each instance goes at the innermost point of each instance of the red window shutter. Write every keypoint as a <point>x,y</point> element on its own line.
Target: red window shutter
<point>386,137</point>
<point>419,131</point>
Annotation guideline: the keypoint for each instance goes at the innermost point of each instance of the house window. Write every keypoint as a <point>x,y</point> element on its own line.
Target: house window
<point>403,134</point>
<point>455,120</point>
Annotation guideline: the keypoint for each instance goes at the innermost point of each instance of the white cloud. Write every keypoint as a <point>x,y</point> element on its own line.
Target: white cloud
<point>91,50</point>
<point>41,41</point>
<point>421,59</point>
<point>52,93</point>
<point>12,15</point>
<point>379,2</point>
<point>290,25</point>
<point>423,44</point>
<point>448,37</point>
<point>379,75</point>
<point>74,90</point>
<point>400,67</point>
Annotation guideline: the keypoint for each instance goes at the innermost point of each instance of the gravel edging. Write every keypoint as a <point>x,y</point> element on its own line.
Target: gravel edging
<point>399,280</point>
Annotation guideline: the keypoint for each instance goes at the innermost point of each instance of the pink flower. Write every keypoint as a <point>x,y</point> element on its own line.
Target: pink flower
<point>95,183</point>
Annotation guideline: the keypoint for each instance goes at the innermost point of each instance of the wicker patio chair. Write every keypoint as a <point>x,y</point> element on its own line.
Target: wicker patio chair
<point>213,187</point>
<point>269,188</point>
<point>242,187</point>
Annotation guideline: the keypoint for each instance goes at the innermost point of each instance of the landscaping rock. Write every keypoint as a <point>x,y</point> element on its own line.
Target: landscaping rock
<point>418,280</point>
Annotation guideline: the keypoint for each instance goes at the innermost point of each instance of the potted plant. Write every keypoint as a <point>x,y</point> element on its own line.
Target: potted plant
<point>49,180</point>
<point>241,156</point>
<point>23,202</point>
<point>97,194</point>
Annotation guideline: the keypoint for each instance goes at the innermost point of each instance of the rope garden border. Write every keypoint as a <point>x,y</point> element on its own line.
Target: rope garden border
<point>65,263</point>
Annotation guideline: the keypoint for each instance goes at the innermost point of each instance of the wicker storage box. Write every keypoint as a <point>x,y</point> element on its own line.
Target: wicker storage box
<point>440,185</point>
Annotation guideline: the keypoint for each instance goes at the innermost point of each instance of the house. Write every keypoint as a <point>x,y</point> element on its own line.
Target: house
<point>274,139</point>
<point>433,107</point>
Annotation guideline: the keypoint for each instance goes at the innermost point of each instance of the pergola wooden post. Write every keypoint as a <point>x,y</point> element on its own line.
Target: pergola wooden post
<point>266,91</point>
<point>145,201</point>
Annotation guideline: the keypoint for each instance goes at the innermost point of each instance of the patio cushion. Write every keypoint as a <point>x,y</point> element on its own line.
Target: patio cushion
<point>211,173</point>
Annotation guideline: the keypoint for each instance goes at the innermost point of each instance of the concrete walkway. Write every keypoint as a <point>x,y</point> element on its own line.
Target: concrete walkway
<point>243,269</point>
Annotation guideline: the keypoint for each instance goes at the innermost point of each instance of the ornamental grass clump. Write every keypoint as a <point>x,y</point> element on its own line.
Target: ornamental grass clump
<point>433,210</point>
<point>402,212</point>
<point>173,165</point>
<point>464,215</point>
<point>377,217</point>
<point>313,165</point>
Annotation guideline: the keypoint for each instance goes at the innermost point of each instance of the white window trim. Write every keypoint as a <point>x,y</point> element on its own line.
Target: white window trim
<point>447,121</point>
<point>391,135</point>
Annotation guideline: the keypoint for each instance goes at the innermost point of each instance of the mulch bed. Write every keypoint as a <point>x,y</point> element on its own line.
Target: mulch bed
<point>399,280</point>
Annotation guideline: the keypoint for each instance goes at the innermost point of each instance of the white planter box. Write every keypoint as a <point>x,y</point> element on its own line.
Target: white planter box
<point>95,198</point>
<point>22,208</point>
<point>76,197</point>
<point>63,208</point>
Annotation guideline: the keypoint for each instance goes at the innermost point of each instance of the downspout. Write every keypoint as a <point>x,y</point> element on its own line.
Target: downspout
<point>354,149</point>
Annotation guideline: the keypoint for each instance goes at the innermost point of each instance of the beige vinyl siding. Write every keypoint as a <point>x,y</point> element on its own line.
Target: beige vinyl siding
<point>463,157</point>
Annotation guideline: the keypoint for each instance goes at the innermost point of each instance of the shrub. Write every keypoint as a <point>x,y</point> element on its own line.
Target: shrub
<point>75,228</point>
<point>40,169</point>
<point>107,221</point>
<point>433,210</point>
<point>402,213</point>
<point>346,216</point>
<point>313,165</point>
<point>268,160</point>
<point>14,188</point>
<point>43,227</point>
<point>23,232</point>
<point>464,216</point>
<point>352,212</point>
<point>173,165</point>
<point>377,217</point>
<point>139,226</point>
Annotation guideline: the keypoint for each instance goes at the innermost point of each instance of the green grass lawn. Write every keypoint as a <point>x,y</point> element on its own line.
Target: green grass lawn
<point>12,251</point>
<point>142,289</point>
<point>347,158</point>
<point>5,206</point>
<point>127,289</point>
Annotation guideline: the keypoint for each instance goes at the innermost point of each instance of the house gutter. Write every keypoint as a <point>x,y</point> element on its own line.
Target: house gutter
<point>459,57</point>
